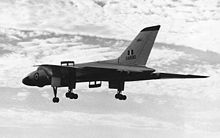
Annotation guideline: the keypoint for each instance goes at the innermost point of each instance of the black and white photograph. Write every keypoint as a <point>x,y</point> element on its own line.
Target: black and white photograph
<point>110,68</point>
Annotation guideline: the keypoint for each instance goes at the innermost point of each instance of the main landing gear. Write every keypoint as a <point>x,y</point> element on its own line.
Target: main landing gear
<point>119,85</point>
<point>70,94</point>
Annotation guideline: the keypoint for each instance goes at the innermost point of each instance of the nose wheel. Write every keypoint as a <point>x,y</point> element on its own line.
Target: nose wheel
<point>56,100</point>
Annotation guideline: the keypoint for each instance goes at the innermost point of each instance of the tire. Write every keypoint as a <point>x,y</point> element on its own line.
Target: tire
<point>56,100</point>
<point>117,96</point>
<point>75,96</point>
<point>67,95</point>
<point>124,97</point>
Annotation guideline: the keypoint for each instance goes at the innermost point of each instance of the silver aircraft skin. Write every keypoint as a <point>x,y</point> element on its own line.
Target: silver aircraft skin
<point>130,66</point>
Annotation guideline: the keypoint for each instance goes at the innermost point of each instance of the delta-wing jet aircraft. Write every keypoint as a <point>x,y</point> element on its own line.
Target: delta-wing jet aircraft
<point>130,66</point>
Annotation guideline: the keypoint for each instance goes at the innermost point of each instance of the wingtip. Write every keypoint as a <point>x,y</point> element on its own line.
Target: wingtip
<point>152,28</point>
<point>199,76</point>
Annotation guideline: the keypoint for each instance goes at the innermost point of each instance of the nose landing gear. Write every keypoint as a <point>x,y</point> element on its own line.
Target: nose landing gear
<point>55,99</point>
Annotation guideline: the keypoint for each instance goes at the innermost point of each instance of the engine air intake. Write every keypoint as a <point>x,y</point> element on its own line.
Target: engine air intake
<point>67,63</point>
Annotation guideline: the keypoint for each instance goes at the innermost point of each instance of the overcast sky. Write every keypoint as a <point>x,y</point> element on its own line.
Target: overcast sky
<point>47,31</point>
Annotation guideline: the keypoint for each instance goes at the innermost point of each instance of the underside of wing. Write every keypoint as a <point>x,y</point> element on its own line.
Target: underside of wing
<point>174,76</point>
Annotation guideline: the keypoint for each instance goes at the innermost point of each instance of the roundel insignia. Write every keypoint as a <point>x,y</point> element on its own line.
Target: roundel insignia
<point>36,76</point>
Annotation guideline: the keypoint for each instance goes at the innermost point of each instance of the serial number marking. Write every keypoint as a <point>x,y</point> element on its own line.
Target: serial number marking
<point>131,57</point>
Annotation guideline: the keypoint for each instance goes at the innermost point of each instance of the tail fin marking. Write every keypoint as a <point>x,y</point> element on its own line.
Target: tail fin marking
<point>138,51</point>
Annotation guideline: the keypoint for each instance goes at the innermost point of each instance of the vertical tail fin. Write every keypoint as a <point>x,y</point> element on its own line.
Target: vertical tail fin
<point>138,51</point>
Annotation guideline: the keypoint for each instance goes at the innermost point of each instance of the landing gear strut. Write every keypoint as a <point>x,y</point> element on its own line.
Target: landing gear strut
<point>70,94</point>
<point>55,99</point>
<point>120,88</point>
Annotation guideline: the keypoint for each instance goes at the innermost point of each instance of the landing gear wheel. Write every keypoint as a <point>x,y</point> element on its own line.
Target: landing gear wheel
<point>73,96</point>
<point>68,95</point>
<point>124,97</point>
<point>56,100</point>
<point>117,96</point>
<point>120,96</point>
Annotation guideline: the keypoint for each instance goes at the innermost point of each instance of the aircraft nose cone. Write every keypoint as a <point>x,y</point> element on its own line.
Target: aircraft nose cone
<point>26,81</point>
